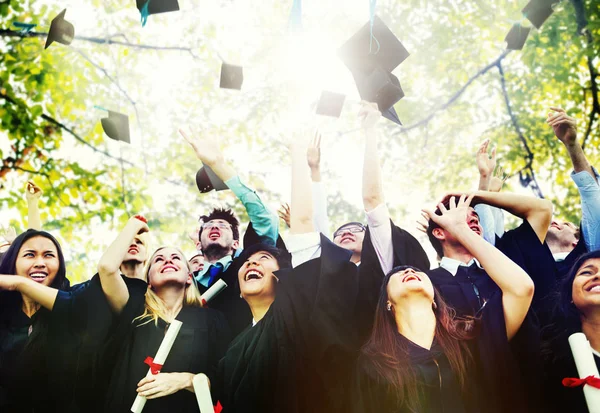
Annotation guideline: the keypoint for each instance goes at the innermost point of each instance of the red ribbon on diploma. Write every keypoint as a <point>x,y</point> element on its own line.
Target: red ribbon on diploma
<point>574,382</point>
<point>154,368</point>
<point>218,407</point>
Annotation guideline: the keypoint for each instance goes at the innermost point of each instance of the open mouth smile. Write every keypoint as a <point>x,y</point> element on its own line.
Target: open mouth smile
<point>253,275</point>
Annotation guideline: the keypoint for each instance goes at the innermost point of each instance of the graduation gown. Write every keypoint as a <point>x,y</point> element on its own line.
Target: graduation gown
<point>296,357</point>
<point>492,381</point>
<point>229,302</point>
<point>200,344</point>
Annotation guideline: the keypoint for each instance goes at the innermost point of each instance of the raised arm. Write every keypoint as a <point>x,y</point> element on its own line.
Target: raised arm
<point>517,287</point>
<point>33,194</point>
<point>485,164</point>
<point>313,156</point>
<point>538,212</point>
<point>113,285</point>
<point>41,294</point>
<point>301,210</point>
<point>264,222</point>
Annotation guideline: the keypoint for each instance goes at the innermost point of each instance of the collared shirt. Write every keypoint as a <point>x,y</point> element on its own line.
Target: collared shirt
<point>380,227</point>
<point>589,191</point>
<point>491,220</point>
<point>560,256</point>
<point>264,222</point>
<point>451,265</point>
<point>203,276</point>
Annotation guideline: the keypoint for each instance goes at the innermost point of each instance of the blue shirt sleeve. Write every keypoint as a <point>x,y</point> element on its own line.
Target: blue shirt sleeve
<point>589,191</point>
<point>486,219</point>
<point>264,222</point>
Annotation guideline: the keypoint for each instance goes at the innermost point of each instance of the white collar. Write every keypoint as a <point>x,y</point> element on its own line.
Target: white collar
<point>253,322</point>
<point>560,256</point>
<point>451,265</point>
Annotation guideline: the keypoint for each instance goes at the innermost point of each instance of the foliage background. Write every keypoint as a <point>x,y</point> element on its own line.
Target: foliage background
<point>165,75</point>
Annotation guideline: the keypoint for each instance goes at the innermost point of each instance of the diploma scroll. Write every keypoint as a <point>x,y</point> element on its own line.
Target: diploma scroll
<point>161,356</point>
<point>202,392</point>
<point>214,290</point>
<point>586,366</point>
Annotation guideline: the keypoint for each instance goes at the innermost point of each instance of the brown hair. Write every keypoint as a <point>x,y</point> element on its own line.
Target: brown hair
<point>388,356</point>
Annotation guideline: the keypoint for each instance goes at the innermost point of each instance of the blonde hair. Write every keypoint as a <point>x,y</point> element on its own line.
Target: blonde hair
<point>155,307</point>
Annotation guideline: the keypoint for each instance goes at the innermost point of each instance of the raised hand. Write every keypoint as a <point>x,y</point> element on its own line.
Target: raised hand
<point>9,234</point>
<point>565,127</point>
<point>485,163</point>
<point>206,147</point>
<point>33,191</point>
<point>423,225</point>
<point>453,217</point>
<point>313,153</point>
<point>284,213</point>
<point>497,181</point>
<point>368,115</point>
<point>138,221</point>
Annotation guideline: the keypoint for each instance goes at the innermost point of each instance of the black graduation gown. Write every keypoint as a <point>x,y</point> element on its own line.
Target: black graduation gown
<point>492,381</point>
<point>200,344</point>
<point>228,301</point>
<point>407,251</point>
<point>296,357</point>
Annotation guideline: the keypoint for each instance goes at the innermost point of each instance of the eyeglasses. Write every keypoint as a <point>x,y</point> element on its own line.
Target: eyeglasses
<point>220,225</point>
<point>352,230</point>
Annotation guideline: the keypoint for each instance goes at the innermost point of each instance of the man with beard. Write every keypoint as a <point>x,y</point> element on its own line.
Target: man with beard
<point>220,237</point>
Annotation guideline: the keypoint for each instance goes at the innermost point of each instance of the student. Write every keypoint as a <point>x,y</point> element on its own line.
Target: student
<point>220,238</point>
<point>420,357</point>
<point>293,354</point>
<point>578,310</point>
<point>197,262</point>
<point>34,361</point>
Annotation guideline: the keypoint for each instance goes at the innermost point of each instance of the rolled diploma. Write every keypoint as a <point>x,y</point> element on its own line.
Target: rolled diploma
<point>161,356</point>
<point>202,392</point>
<point>214,290</point>
<point>586,366</point>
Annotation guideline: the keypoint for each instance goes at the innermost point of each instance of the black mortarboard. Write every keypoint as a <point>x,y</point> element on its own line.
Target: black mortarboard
<point>363,54</point>
<point>380,87</point>
<point>60,30</point>
<point>516,37</point>
<point>232,76</point>
<point>330,104</point>
<point>207,180</point>
<point>158,6</point>
<point>391,115</point>
<point>538,11</point>
<point>116,126</point>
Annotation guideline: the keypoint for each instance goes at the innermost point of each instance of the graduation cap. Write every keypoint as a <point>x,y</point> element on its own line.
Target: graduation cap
<point>232,76</point>
<point>391,115</point>
<point>380,87</point>
<point>538,11</point>
<point>157,6</point>
<point>330,104</point>
<point>116,126</point>
<point>207,180</point>
<point>516,37</point>
<point>360,53</point>
<point>60,30</point>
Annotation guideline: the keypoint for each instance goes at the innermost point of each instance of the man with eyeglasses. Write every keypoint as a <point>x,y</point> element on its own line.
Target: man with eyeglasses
<point>220,237</point>
<point>350,236</point>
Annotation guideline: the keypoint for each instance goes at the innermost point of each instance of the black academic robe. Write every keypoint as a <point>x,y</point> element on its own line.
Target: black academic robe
<point>407,251</point>
<point>199,346</point>
<point>228,301</point>
<point>295,358</point>
<point>492,381</point>
<point>558,366</point>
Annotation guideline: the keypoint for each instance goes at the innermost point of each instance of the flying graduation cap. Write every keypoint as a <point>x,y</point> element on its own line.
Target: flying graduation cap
<point>207,180</point>
<point>516,37</point>
<point>538,11</point>
<point>372,69</point>
<point>330,104</point>
<point>61,31</point>
<point>232,76</point>
<point>157,6</point>
<point>116,126</point>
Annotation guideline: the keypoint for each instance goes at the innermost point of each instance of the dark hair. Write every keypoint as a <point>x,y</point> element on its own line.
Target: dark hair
<point>225,214</point>
<point>358,224</point>
<point>283,258</point>
<point>9,261</point>
<point>387,355</point>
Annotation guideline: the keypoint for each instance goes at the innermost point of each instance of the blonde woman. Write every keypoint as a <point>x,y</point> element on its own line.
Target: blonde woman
<point>143,318</point>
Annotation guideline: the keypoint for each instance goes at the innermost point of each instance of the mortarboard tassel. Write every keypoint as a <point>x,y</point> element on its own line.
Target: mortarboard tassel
<point>295,21</point>
<point>25,27</point>
<point>372,5</point>
<point>145,13</point>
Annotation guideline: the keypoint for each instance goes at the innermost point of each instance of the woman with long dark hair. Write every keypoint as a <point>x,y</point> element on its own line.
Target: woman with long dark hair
<point>30,353</point>
<point>421,358</point>
<point>577,310</point>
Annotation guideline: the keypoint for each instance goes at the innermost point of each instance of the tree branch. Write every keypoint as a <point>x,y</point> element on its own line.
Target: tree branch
<point>102,40</point>
<point>456,95</point>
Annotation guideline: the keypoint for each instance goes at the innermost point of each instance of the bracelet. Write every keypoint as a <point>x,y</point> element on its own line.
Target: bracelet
<point>141,218</point>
